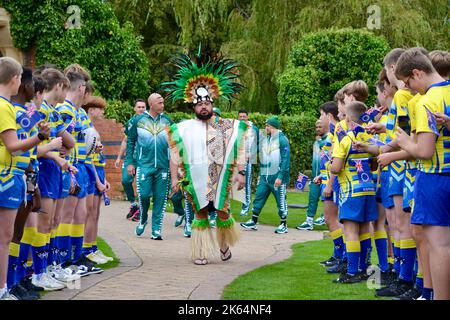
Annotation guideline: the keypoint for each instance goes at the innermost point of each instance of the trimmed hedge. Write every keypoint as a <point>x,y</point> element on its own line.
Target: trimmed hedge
<point>299,129</point>
<point>322,62</point>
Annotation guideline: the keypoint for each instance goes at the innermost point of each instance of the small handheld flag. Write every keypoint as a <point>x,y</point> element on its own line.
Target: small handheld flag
<point>356,128</point>
<point>29,119</point>
<point>370,115</point>
<point>340,133</point>
<point>300,184</point>
<point>432,122</point>
<point>376,142</point>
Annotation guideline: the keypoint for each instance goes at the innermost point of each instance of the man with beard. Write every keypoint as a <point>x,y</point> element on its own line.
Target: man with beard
<point>208,150</point>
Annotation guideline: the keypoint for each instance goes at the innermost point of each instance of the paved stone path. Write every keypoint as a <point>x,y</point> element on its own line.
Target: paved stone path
<point>151,269</point>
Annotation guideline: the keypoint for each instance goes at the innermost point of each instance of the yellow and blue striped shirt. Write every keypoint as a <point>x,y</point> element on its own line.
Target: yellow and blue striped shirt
<point>437,99</point>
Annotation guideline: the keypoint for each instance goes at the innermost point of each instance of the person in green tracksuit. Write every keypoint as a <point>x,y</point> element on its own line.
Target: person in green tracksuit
<point>314,189</point>
<point>148,138</point>
<point>274,156</point>
<point>127,181</point>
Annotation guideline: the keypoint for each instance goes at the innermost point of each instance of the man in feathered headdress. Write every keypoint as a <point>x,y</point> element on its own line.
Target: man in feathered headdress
<point>208,152</point>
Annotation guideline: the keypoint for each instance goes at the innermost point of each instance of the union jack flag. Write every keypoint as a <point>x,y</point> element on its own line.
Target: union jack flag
<point>370,115</point>
<point>356,128</point>
<point>359,166</point>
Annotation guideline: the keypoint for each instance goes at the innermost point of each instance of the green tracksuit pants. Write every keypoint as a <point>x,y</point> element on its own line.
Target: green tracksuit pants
<point>152,182</point>
<point>127,183</point>
<point>313,201</point>
<point>264,188</point>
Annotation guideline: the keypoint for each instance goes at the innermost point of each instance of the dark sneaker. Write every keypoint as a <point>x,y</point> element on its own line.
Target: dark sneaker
<point>395,289</point>
<point>340,267</point>
<point>347,278</point>
<point>136,217</point>
<point>412,294</point>
<point>23,294</point>
<point>387,278</point>
<point>29,286</point>
<point>179,221</point>
<point>329,262</point>
<point>134,207</point>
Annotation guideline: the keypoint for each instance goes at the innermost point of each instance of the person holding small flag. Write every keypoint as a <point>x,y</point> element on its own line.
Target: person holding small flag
<point>314,189</point>
<point>274,156</point>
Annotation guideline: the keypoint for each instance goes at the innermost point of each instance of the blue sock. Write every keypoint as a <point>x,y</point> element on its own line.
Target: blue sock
<point>338,242</point>
<point>366,249</point>
<point>77,247</point>
<point>381,244</point>
<point>94,247</point>
<point>419,282</point>
<point>40,254</point>
<point>12,267</point>
<point>353,254</point>
<point>87,249</point>
<point>428,293</point>
<point>397,258</point>
<point>52,252</point>
<point>22,262</point>
<point>64,248</point>
<point>77,234</point>
<point>408,256</point>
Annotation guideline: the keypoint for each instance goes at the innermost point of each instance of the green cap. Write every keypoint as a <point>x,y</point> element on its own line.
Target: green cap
<point>216,110</point>
<point>274,122</point>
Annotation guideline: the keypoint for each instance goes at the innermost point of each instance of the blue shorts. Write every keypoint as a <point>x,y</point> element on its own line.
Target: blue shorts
<point>396,179</point>
<point>49,179</point>
<point>12,191</point>
<point>408,189</point>
<point>91,182</point>
<point>65,185</point>
<point>322,197</point>
<point>383,191</point>
<point>358,209</point>
<point>101,177</point>
<point>431,200</point>
<point>82,179</point>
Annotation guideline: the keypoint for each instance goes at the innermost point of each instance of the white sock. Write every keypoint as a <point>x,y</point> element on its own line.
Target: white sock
<point>3,290</point>
<point>309,220</point>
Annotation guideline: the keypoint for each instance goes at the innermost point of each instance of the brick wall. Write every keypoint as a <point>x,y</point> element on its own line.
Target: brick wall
<point>111,134</point>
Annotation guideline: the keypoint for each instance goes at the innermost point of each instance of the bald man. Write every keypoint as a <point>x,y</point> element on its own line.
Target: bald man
<point>150,164</point>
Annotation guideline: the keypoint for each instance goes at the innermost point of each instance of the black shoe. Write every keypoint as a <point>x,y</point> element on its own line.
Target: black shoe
<point>412,294</point>
<point>396,289</point>
<point>388,278</point>
<point>29,286</point>
<point>23,294</point>
<point>347,278</point>
<point>330,262</point>
<point>340,267</point>
<point>364,275</point>
<point>133,209</point>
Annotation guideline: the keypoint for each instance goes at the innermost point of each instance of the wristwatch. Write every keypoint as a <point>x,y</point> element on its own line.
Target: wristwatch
<point>242,172</point>
<point>41,136</point>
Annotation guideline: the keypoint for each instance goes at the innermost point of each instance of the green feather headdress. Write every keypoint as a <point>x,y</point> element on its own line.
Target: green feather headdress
<point>202,78</point>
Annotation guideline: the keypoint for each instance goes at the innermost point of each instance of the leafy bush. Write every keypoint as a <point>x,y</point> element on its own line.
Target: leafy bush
<point>112,53</point>
<point>323,62</point>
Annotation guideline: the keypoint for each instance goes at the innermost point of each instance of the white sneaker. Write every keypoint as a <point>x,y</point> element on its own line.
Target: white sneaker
<point>47,282</point>
<point>96,258</point>
<point>102,255</point>
<point>8,296</point>
<point>64,275</point>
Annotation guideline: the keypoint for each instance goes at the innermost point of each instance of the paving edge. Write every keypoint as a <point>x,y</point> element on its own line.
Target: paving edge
<point>212,289</point>
<point>129,260</point>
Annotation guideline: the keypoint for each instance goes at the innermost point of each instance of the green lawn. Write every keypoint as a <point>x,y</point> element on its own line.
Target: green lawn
<point>106,249</point>
<point>298,278</point>
<point>269,214</point>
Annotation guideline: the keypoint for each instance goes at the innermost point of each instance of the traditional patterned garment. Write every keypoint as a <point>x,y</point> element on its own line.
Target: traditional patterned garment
<point>208,153</point>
